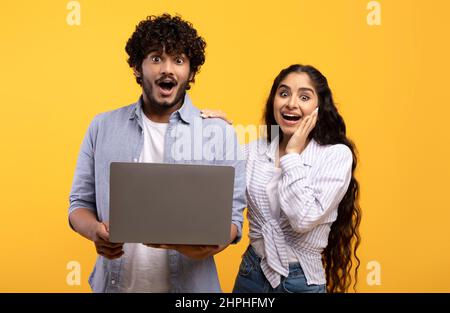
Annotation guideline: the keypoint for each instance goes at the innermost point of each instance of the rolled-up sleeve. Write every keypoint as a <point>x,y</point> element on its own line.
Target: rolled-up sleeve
<point>82,194</point>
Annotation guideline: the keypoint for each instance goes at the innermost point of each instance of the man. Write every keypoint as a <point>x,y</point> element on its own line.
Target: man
<point>165,53</point>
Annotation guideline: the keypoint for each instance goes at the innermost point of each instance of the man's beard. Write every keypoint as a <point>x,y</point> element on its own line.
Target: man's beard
<point>164,105</point>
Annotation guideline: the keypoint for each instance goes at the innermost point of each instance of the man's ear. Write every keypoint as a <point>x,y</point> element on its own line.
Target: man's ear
<point>191,76</point>
<point>136,72</point>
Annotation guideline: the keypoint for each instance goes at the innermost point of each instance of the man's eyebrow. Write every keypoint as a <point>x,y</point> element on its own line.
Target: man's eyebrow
<point>154,52</point>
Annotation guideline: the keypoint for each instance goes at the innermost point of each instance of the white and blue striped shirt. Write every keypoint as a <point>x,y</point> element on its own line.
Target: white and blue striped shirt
<point>312,185</point>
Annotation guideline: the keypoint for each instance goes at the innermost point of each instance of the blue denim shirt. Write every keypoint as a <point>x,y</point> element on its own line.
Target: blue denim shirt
<point>117,136</point>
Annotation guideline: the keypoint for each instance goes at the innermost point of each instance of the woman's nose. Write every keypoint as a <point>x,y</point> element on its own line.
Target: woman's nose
<point>292,103</point>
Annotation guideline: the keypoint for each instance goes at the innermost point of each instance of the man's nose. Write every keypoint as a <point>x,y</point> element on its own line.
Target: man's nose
<point>167,67</point>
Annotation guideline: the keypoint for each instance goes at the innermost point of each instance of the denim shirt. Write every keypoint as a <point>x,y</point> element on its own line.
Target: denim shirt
<point>117,136</point>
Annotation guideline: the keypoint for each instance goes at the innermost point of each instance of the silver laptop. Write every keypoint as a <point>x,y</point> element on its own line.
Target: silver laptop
<point>170,203</point>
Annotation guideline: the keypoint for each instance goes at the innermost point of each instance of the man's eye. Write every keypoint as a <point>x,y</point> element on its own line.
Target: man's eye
<point>179,61</point>
<point>156,59</point>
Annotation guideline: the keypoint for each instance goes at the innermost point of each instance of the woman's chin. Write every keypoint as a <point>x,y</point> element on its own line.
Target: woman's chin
<point>288,131</point>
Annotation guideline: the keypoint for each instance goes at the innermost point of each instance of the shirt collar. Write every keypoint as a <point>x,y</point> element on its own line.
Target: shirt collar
<point>272,149</point>
<point>186,113</point>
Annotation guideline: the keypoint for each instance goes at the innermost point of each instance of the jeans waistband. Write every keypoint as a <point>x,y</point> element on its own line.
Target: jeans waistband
<point>255,259</point>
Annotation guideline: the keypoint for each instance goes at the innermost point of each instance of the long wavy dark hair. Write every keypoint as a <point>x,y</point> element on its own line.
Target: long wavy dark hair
<point>344,237</point>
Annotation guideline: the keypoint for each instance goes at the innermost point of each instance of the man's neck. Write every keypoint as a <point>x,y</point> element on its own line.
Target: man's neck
<point>158,114</point>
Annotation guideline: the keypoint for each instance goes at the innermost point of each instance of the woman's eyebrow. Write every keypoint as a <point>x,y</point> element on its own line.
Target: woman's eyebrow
<point>284,86</point>
<point>306,89</point>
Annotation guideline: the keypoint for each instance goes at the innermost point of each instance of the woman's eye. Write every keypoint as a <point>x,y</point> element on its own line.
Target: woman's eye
<point>179,61</point>
<point>304,98</point>
<point>283,94</point>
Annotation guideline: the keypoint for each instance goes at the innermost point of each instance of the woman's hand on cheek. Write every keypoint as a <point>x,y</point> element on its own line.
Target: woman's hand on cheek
<point>297,143</point>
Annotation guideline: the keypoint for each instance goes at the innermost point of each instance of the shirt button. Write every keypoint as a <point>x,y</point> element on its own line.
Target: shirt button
<point>113,282</point>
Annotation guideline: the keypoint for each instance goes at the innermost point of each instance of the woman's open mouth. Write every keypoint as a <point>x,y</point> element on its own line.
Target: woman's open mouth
<point>290,119</point>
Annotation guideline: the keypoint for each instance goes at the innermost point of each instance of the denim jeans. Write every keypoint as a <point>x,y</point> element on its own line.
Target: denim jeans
<point>251,278</point>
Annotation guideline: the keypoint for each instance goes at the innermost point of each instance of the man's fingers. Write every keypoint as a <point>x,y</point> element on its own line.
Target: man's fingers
<point>109,251</point>
<point>198,251</point>
<point>110,254</point>
<point>151,245</point>
<point>210,247</point>
<point>102,231</point>
<point>206,249</point>
<point>170,247</point>
<point>116,255</point>
<point>161,246</point>
<point>108,244</point>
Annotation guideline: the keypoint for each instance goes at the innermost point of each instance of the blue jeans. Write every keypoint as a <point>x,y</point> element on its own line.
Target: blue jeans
<point>251,278</point>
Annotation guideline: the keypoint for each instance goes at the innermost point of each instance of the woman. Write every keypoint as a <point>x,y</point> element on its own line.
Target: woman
<point>301,191</point>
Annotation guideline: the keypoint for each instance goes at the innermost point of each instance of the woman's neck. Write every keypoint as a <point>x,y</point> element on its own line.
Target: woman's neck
<point>283,144</point>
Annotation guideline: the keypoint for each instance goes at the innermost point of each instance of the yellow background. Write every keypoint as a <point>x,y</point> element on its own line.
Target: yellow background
<point>390,83</point>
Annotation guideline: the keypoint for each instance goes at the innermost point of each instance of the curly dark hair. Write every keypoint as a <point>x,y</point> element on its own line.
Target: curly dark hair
<point>344,237</point>
<point>165,33</point>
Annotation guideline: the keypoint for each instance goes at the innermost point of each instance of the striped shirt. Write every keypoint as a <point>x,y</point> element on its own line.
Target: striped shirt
<point>311,186</point>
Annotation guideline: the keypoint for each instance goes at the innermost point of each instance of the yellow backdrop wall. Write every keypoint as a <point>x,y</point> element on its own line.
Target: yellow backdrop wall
<point>386,61</point>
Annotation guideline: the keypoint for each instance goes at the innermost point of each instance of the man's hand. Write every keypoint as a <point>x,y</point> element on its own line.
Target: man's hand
<point>104,247</point>
<point>196,252</point>
<point>85,222</point>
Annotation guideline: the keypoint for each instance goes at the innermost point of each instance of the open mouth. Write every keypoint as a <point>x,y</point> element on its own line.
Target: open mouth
<point>291,117</point>
<point>167,85</point>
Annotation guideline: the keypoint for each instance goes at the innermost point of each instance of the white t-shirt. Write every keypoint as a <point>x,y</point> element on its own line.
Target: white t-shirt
<point>146,269</point>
